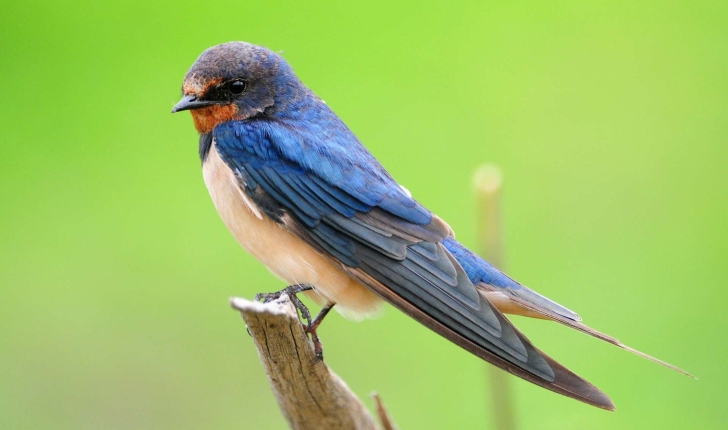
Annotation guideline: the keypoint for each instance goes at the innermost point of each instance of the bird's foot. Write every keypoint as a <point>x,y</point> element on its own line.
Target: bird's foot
<point>311,326</point>
<point>291,290</point>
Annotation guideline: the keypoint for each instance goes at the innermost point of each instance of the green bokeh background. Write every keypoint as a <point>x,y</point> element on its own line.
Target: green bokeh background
<point>609,120</point>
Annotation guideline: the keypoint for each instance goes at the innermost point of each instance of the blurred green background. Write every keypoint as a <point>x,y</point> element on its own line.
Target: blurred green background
<point>609,120</point>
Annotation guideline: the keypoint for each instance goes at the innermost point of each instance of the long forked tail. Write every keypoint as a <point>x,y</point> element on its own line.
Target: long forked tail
<point>510,297</point>
<point>516,305</point>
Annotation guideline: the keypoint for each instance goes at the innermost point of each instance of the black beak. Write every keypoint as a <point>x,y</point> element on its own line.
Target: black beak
<point>190,102</point>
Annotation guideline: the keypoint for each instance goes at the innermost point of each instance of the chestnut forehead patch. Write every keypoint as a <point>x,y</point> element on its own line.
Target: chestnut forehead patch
<point>199,85</point>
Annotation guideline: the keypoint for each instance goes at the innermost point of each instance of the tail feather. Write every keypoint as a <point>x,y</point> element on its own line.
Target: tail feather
<point>515,305</point>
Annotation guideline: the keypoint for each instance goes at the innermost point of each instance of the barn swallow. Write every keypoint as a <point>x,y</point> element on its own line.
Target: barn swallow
<point>300,193</point>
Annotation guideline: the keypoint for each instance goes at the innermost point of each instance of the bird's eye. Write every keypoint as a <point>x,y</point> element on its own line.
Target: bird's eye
<point>236,87</point>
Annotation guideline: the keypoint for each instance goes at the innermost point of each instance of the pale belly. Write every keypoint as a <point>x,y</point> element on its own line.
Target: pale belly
<point>283,253</point>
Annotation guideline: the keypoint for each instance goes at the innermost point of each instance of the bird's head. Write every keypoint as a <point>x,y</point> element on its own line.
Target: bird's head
<point>231,81</point>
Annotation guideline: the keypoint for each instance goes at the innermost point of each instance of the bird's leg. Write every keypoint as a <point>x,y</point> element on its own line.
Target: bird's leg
<point>291,290</point>
<point>312,328</point>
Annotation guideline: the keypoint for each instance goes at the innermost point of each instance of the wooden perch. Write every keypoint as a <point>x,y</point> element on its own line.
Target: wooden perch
<point>310,395</point>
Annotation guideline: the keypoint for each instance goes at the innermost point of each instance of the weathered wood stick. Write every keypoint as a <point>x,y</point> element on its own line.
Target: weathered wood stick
<point>310,395</point>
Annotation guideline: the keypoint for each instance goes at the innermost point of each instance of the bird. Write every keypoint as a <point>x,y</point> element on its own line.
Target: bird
<point>300,192</point>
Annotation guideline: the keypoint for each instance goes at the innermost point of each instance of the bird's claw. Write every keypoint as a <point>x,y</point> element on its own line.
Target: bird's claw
<point>291,291</point>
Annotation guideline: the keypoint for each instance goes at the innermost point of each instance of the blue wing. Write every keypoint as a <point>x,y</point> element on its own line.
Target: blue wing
<point>325,187</point>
